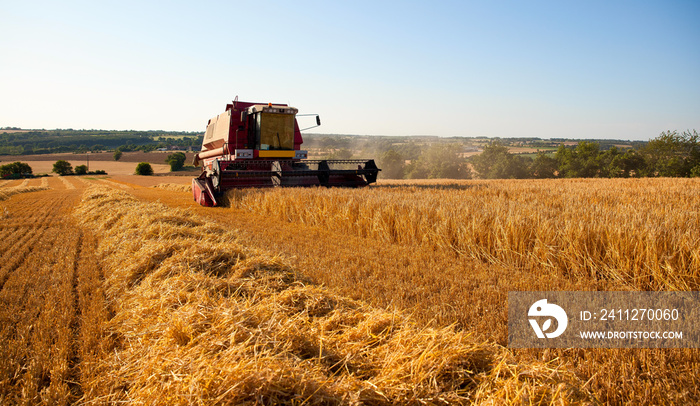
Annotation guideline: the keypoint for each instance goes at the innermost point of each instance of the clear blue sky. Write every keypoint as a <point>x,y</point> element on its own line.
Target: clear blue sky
<point>584,69</point>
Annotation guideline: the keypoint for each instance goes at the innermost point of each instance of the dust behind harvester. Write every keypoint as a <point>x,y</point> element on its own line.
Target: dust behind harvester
<point>259,145</point>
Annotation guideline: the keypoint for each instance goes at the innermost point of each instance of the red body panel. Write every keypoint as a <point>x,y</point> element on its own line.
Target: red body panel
<point>201,193</point>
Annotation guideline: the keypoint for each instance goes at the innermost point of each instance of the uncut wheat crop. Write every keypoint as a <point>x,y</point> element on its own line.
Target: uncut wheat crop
<point>642,233</point>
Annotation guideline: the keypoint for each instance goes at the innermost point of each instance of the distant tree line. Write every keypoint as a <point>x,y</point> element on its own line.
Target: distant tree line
<point>671,154</point>
<point>423,157</point>
<point>398,157</point>
<point>62,141</point>
<point>411,161</point>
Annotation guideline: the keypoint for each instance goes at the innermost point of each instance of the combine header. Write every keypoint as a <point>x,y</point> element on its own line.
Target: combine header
<point>259,145</point>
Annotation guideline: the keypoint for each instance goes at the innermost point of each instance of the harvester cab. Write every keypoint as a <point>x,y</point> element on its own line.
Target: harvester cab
<point>270,128</point>
<point>259,145</point>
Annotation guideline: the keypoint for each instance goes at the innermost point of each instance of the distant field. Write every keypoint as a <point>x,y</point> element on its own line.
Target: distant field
<point>112,168</point>
<point>14,131</point>
<point>151,157</point>
<point>522,150</point>
<point>468,154</point>
<point>98,161</point>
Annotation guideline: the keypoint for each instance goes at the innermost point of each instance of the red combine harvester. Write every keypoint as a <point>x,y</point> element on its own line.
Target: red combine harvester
<point>259,145</point>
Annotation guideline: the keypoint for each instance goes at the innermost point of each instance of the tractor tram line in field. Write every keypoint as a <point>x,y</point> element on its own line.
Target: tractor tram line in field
<point>42,321</point>
<point>30,226</point>
<point>16,259</point>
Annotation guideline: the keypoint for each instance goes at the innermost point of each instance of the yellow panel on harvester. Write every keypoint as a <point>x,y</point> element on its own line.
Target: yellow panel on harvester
<point>277,131</point>
<point>276,154</point>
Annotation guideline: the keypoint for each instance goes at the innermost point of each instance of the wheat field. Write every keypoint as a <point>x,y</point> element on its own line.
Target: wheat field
<point>640,233</point>
<point>113,292</point>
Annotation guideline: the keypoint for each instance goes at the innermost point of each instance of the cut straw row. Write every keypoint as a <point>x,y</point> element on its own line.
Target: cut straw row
<point>6,193</point>
<point>174,187</point>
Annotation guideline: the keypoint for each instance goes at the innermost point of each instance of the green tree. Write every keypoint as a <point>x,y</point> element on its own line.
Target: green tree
<point>695,172</point>
<point>495,162</point>
<point>632,163</point>
<point>610,163</point>
<point>693,142</point>
<point>664,155</point>
<point>544,166</point>
<point>615,164</point>
<point>176,161</point>
<point>392,164</point>
<point>565,157</point>
<point>484,163</point>
<point>587,155</point>
<point>117,155</point>
<point>439,161</point>
<point>580,162</point>
<point>81,170</point>
<point>672,154</point>
<point>63,168</point>
<point>513,167</point>
<point>144,168</point>
<point>15,168</point>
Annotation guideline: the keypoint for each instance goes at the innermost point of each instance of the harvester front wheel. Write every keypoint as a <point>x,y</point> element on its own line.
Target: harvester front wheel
<point>215,175</point>
<point>276,173</point>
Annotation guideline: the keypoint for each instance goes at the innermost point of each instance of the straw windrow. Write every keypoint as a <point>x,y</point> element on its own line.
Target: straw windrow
<point>66,183</point>
<point>7,192</point>
<point>174,187</point>
<point>201,318</point>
